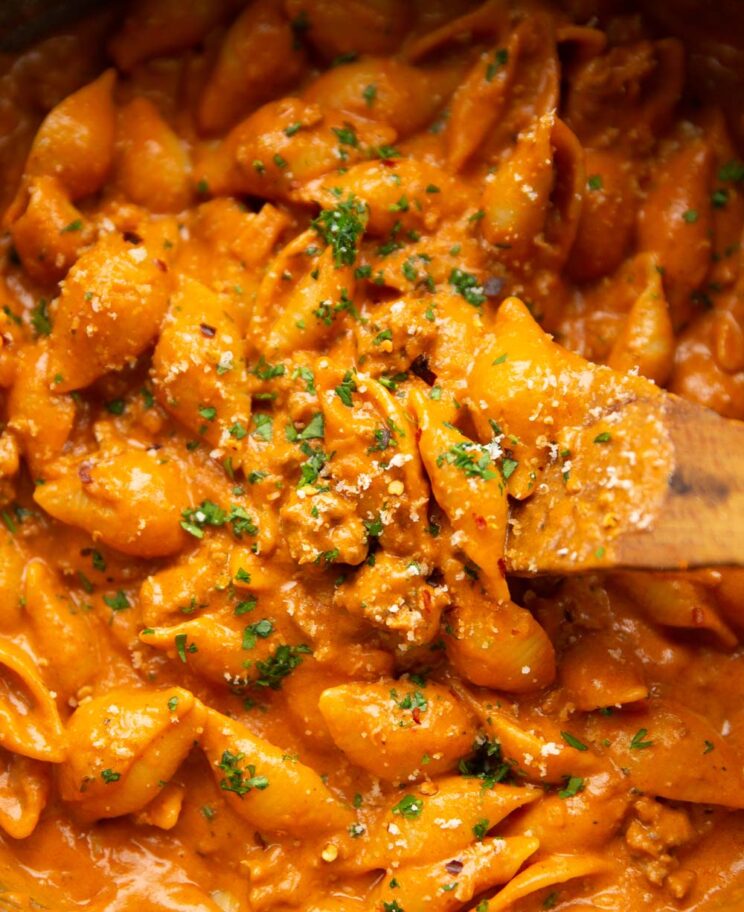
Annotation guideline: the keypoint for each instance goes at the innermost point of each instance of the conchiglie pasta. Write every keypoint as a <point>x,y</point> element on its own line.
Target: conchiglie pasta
<point>124,746</point>
<point>496,643</point>
<point>391,728</point>
<point>315,308</point>
<point>462,803</point>
<point>152,166</point>
<point>109,311</point>
<point>260,156</point>
<point>75,143</point>
<point>447,885</point>
<point>270,790</point>
<point>667,751</point>
<point>62,629</point>
<point>49,232</point>
<point>12,562</point>
<point>155,27</point>
<point>24,789</point>
<point>549,872</point>
<point>98,498</point>
<point>259,55</point>
<point>41,420</point>
<point>431,194</point>
<point>222,650</point>
<point>30,723</point>
<point>375,27</point>
<point>680,240</point>
<point>202,329</point>
<point>402,96</point>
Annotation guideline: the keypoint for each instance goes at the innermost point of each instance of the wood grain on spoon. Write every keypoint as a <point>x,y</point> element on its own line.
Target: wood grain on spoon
<point>688,510</point>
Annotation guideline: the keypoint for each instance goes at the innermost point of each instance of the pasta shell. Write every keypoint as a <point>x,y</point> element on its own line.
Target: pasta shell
<point>451,882</point>
<point>264,787</point>
<point>459,803</point>
<point>124,746</point>
<point>75,143</point>
<point>551,871</point>
<point>29,722</point>
<point>387,728</point>
<point>109,311</point>
<point>63,631</point>
<point>131,501</point>
<point>24,788</point>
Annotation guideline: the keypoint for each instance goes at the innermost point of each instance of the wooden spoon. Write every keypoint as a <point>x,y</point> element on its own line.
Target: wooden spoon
<point>690,512</point>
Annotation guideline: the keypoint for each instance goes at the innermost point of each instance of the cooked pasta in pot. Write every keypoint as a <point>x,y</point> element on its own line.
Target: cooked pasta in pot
<point>297,297</point>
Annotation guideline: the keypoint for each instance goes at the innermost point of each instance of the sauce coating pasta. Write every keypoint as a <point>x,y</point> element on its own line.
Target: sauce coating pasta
<point>297,296</point>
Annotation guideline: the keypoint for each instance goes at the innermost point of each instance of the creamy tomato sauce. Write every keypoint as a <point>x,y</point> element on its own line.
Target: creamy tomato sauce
<point>297,298</point>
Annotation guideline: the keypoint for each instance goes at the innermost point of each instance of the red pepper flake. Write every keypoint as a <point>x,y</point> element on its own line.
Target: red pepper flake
<point>454,866</point>
<point>162,266</point>
<point>416,714</point>
<point>480,521</point>
<point>209,332</point>
<point>84,473</point>
<point>502,566</point>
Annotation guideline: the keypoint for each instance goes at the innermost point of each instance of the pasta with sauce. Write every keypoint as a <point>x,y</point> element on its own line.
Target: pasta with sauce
<point>297,297</point>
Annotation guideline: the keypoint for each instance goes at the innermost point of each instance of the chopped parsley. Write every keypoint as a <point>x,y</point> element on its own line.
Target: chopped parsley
<point>471,458</point>
<point>480,829</point>
<point>263,427</point>
<point>414,699</point>
<point>40,319</point>
<point>345,389</point>
<point>109,776</point>
<point>235,779</point>
<point>409,806</point>
<point>253,632</point>
<point>195,519</point>
<point>265,371</point>
<point>690,216</point>
<point>732,171</point>
<point>500,58</point>
<point>637,741</point>
<point>305,374</point>
<point>574,785</point>
<point>594,182</point>
<point>486,763</point>
<point>117,602</point>
<point>508,467</point>
<point>181,647</point>
<point>347,135</point>
<point>282,663</point>
<point>573,741</point>
<point>310,470</point>
<point>342,228</point>
<point>467,286</point>
<point>115,406</point>
<point>370,94</point>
